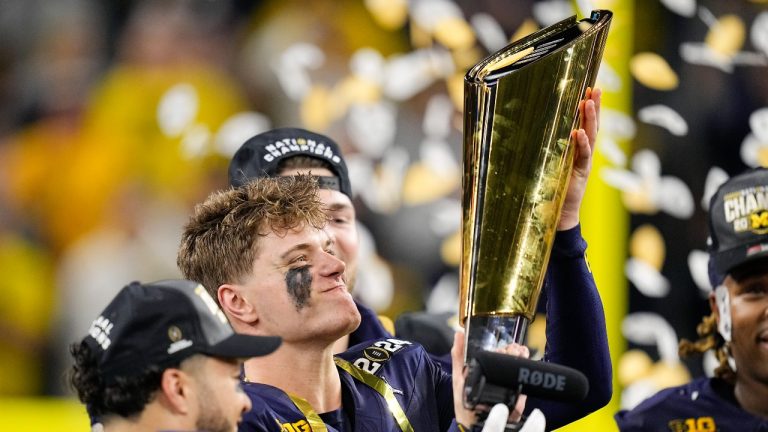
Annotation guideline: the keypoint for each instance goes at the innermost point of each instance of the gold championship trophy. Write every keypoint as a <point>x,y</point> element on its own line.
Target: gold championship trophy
<point>521,104</point>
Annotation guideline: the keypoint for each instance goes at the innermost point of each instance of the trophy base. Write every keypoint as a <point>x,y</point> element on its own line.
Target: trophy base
<point>487,333</point>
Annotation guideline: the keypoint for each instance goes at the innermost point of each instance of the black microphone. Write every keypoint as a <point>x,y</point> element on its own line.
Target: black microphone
<point>494,372</point>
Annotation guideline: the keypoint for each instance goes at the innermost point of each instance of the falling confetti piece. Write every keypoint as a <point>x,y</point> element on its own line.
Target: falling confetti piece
<point>389,14</point>
<point>758,121</point>
<point>653,71</point>
<point>611,150</point>
<point>454,33</point>
<point>548,12</point>
<point>317,108</point>
<point>759,32</point>
<point>664,116</point>
<point>633,365</point>
<point>527,27</point>
<point>489,32</point>
<point>237,129</point>
<point>715,177</point>
<point>646,279</point>
<point>608,79</point>
<point>649,328</point>
<point>424,184</point>
<point>177,109</point>
<point>700,54</point>
<point>686,8</point>
<point>292,68</point>
<point>754,153</point>
<point>727,36</point>
<point>675,198</point>
<point>698,262</point>
<point>372,126</point>
<point>647,245</point>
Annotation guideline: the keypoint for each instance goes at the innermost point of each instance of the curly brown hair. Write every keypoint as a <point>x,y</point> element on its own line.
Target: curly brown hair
<point>220,242</point>
<point>709,339</point>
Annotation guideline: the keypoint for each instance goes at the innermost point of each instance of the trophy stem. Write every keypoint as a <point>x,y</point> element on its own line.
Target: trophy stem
<point>487,333</point>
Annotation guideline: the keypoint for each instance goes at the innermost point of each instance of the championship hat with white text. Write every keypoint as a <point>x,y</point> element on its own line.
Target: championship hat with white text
<point>261,155</point>
<point>738,223</point>
<point>162,323</point>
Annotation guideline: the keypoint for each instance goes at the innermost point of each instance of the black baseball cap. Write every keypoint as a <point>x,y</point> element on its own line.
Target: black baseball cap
<point>161,324</point>
<point>261,155</point>
<point>738,223</point>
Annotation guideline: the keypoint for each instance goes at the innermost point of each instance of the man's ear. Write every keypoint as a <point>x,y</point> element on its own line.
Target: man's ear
<point>175,387</point>
<point>235,305</point>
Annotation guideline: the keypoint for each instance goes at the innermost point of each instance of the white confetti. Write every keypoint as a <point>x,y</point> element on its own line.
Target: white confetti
<point>617,124</point>
<point>608,79</point>
<point>194,143</point>
<point>648,328</point>
<point>428,13</point>
<point>489,32</point>
<point>407,74</point>
<point>758,121</point>
<point>664,116</point>
<point>177,109</point>
<point>715,177</point>
<point>750,150</point>
<point>237,129</point>
<point>697,265</point>
<point>759,32</point>
<point>292,68</point>
<point>675,198</point>
<point>548,12</point>
<point>611,150</point>
<point>371,127</point>
<point>686,8</point>
<point>699,54</point>
<point>646,279</point>
<point>368,63</point>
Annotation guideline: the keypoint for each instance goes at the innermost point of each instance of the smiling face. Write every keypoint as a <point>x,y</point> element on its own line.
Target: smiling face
<point>341,221</point>
<point>748,290</point>
<point>298,289</point>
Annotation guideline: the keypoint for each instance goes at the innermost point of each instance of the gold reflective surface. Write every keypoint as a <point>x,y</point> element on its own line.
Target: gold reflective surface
<point>517,162</point>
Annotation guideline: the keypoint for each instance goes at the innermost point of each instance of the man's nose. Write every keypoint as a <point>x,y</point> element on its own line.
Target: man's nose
<point>332,265</point>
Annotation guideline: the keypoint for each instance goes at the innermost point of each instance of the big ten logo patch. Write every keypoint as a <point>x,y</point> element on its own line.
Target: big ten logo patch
<point>299,426</point>
<point>377,354</point>
<point>699,424</point>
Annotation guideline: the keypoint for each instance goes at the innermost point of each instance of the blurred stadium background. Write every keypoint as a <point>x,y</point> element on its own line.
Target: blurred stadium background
<point>116,117</point>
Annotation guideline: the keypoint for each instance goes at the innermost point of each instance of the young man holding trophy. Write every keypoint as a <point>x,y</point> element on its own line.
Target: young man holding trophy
<point>277,272</point>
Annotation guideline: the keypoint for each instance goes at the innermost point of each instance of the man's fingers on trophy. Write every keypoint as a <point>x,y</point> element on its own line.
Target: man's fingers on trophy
<point>583,151</point>
<point>516,350</point>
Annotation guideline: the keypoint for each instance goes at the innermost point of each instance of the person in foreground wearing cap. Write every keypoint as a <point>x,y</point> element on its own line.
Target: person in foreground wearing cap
<point>162,356</point>
<point>261,250</point>
<point>576,321</point>
<point>736,398</point>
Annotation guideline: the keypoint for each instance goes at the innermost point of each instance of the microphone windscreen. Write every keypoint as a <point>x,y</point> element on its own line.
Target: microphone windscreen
<point>538,379</point>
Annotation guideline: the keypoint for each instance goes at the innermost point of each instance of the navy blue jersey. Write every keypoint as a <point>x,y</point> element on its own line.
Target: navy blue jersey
<point>372,374</point>
<point>705,404</point>
<point>576,334</point>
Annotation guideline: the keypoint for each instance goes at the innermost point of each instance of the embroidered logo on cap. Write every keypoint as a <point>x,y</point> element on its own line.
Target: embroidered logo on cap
<point>293,145</point>
<point>747,209</point>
